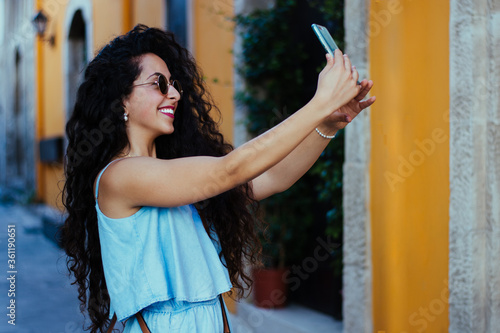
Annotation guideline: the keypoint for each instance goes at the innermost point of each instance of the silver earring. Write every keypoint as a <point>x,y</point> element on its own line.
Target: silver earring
<point>125,117</point>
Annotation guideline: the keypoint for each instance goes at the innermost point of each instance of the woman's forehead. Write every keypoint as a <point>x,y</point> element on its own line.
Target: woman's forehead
<point>150,63</point>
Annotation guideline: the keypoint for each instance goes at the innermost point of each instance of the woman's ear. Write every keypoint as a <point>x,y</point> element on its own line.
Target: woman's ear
<point>125,112</point>
<point>119,106</point>
<point>125,105</point>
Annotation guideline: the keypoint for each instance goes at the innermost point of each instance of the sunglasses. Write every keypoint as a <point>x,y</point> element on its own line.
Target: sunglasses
<point>163,84</point>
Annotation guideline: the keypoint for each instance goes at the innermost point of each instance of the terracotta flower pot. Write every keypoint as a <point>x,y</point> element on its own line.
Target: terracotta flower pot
<point>269,288</point>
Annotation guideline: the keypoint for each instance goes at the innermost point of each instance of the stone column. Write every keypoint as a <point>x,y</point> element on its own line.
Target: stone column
<point>474,262</point>
<point>357,289</point>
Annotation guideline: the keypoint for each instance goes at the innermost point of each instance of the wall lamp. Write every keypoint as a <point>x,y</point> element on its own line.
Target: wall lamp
<point>40,22</point>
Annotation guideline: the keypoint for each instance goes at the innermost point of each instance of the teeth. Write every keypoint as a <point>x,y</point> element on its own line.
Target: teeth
<point>169,111</point>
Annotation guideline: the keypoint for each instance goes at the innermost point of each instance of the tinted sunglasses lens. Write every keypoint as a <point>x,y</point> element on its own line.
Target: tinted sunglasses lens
<point>162,84</point>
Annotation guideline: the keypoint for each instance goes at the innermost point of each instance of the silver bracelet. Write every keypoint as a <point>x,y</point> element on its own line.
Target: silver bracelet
<point>324,135</point>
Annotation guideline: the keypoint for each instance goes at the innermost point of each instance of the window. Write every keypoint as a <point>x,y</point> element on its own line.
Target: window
<point>176,20</point>
<point>77,57</point>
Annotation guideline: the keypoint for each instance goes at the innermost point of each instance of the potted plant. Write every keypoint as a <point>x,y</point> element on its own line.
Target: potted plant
<point>289,220</point>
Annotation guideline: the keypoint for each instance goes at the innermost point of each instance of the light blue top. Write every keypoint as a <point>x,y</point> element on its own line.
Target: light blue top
<point>158,254</point>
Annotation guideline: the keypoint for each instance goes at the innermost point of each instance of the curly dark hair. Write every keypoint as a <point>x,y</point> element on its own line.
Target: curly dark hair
<point>96,134</point>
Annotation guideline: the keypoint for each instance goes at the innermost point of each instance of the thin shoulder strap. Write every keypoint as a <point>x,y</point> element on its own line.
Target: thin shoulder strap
<point>224,316</point>
<point>112,324</point>
<point>140,319</point>
<point>100,175</point>
<point>145,328</point>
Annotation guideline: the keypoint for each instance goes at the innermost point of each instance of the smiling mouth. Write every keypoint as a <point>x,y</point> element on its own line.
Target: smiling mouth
<point>167,111</point>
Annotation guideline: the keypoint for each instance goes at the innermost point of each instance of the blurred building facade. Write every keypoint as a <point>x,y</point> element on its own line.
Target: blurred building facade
<point>17,96</point>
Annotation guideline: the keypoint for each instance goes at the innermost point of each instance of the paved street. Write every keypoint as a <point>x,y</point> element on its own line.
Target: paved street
<point>45,301</point>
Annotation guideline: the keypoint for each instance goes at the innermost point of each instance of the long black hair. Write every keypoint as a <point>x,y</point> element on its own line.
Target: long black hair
<point>96,134</point>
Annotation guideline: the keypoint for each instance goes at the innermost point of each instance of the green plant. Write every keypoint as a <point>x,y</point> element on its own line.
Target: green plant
<point>276,69</point>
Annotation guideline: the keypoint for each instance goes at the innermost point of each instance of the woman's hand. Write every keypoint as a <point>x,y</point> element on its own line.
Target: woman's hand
<point>343,116</point>
<point>284,174</point>
<point>336,84</point>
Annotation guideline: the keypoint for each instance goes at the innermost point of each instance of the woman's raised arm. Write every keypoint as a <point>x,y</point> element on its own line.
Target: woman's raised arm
<point>145,181</point>
<point>284,174</point>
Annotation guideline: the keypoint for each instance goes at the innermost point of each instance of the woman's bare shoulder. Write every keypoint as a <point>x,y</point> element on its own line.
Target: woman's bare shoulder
<point>111,183</point>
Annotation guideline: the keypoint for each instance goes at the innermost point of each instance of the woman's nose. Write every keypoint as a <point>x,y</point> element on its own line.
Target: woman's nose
<point>173,93</point>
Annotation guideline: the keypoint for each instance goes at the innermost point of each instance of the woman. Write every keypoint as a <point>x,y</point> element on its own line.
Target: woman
<point>160,219</point>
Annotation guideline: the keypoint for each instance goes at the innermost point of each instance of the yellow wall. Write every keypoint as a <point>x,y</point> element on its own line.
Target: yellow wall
<point>115,17</point>
<point>50,115</point>
<point>213,44</point>
<point>151,13</point>
<point>409,169</point>
<point>109,21</point>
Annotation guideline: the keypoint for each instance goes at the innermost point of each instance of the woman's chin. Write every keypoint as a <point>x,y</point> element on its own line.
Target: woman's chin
<point>168,130</point>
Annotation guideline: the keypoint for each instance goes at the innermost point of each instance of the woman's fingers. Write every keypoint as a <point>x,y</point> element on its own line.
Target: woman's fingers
<point>351,69</point>
<point>339,117</point>
<point>329,64</point>
<point>364,104</point>
<point>335,83</point>
<point>366,86</point>
<point>355,74</point>
<point>339,59</point>
<point>347,63</point>
<point>329,59</point>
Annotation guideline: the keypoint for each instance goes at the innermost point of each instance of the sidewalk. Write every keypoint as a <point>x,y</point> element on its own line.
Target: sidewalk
<point>45,301</point>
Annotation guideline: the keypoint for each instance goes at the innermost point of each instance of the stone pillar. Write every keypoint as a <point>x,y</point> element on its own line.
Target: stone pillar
<point>474,262</point>
<point>357,289</point>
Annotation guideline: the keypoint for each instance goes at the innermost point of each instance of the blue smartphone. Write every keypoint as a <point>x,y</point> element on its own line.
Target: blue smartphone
<point>326,40</point>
